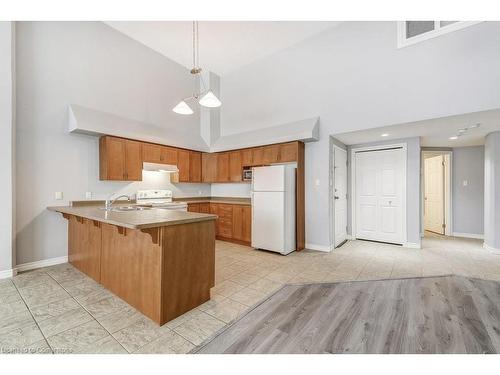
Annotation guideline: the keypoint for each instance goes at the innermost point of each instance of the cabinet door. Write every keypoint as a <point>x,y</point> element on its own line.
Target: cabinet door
<point>235,168</point>
<point>112,158</point>
<point>238,222</point>
<point>183,165</point>
<point>169,155</point>
<point>246,157</point>
<point>193,207</point>
<point>223,167</point>
<point>151,153</point>
<point>258,156</point>
<point>133,161</point>
<point>247,224</point>
<point>271,154</point>
<point>214,210</point>
<point>204,208</point>
<point>194,166</point>
<point>288,152</point>
<point>209,167</point>
<point>225,226</point>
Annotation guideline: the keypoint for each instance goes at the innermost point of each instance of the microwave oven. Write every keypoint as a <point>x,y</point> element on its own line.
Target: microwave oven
<point>247,174</point>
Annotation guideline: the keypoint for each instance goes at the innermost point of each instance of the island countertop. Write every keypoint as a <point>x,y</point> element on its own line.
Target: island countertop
<point>134,219</point>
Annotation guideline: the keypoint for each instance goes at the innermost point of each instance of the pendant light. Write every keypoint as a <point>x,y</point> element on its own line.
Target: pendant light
<point>206,98</point>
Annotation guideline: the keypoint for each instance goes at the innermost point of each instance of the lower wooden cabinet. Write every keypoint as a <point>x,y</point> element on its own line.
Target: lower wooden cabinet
<point>84,246</point>
<point>234,221</point>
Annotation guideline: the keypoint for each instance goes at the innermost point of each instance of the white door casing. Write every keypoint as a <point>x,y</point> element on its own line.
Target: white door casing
<point>340,195</point>
<point>380,195</point>
<point>434,194</point>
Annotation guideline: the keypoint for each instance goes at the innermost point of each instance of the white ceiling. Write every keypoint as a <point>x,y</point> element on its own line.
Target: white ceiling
<point>433,133</point>
<point>224,46</point>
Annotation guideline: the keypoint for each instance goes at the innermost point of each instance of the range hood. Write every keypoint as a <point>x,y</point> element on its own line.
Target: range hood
<point>158,167</point>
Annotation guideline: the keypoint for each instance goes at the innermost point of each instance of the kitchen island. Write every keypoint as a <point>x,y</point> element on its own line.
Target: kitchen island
<point>161,262</point>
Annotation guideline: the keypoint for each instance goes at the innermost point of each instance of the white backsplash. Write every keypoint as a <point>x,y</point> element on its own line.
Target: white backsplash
<point>239,190</point>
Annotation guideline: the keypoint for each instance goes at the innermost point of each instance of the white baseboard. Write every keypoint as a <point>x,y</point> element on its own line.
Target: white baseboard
<point>412,245</point>
<point>41,263</point>
<point>468,235</point>
<point>312,246</point>
<point>8,273</point>
<point>491,249</point>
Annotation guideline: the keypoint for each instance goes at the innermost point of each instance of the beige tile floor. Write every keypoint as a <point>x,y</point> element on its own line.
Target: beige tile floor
<point>59,310</point>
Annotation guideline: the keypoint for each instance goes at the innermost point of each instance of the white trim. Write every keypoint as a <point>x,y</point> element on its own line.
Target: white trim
<point>468,235</point>
<point>438,31</point>
<point>448,215</point>
<point>404,146</point>
<point>311,246</point>
<point>41,263</point>
<point>332,190</point>
<point>8,273</point>
<point>412,245</point>
<point>491,249</point>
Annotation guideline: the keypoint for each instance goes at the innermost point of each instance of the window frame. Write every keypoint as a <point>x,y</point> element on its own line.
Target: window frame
<point>438,31</point>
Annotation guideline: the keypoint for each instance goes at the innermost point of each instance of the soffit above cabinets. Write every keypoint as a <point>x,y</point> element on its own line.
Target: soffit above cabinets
<point>306,130</point>
<point>88,121</point>
<point>93,122</point>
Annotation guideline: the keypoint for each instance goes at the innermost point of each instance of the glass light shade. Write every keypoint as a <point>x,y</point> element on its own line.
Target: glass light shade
<point>182,108</point>
<point>210,100</point>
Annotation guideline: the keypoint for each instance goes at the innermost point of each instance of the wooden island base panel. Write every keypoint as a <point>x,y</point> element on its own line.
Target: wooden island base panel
<point>163,271</point>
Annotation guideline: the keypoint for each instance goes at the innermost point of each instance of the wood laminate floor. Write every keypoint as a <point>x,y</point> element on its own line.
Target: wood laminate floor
<point>448,314</point>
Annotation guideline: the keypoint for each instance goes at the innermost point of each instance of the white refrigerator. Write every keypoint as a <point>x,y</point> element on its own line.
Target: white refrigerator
<point>273,208</point>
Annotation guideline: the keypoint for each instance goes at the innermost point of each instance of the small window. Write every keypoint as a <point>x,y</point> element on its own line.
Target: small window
<point>410,32</point>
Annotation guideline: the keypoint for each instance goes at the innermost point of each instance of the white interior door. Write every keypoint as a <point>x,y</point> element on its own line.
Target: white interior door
<point>379,189</point>
<point>340,195</point>
<point>434,194</point>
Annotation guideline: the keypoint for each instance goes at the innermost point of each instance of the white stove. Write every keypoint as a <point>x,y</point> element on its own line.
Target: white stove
<point>161,199</point>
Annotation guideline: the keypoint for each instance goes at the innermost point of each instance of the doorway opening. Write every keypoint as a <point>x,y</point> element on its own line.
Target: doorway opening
<point>436,193</point>
<point>338,193</point>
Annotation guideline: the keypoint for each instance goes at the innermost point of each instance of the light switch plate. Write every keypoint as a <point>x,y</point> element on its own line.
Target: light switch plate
<point>58,195</point>
<point>316,182</point>
<point>88,195</point>
<point>465,183</point>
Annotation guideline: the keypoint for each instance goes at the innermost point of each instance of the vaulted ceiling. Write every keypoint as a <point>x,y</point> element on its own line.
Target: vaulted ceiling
<point>224,45</point>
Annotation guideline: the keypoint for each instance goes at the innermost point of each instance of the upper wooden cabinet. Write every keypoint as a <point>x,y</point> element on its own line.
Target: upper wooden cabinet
<point>194,166</point>
<point>223,167</point>
<point>235,167</point>
<point>183,165</point>
<point>271,154</point>
<point>246,157</point>
<point>168,155</point>
<point>151,153</point>
<point>258,156</point>
<point>120,159</point>
<point>209,167</point>
<point>288,152</point>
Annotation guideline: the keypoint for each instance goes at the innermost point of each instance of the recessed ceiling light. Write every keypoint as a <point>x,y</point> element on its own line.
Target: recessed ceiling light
<point>462,130</point>
<point>454,137</point>
<point>475,126</point>
<point>384,135</point>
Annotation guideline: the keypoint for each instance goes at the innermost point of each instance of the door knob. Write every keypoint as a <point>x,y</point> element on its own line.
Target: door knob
<point>336,197</point>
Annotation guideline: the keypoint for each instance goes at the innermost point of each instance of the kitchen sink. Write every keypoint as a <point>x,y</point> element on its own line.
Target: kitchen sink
<point>127,208</point>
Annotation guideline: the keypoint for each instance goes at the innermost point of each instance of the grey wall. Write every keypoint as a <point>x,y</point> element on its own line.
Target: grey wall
<point>492,191</point>
<point>468,201</point>
<point>7,134</point>
<point>412,187</point>
<point>93,65</point>
<point>354,77</point>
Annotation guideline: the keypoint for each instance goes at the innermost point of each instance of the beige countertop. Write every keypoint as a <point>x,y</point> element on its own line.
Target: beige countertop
<point>225,200</point>
<point>135,219</point>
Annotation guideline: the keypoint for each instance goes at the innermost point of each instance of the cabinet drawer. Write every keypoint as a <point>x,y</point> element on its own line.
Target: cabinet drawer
<point>225,211</point>
<point>225,232</point>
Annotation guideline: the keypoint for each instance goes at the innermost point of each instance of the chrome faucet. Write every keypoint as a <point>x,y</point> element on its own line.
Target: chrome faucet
<point>108,204</point>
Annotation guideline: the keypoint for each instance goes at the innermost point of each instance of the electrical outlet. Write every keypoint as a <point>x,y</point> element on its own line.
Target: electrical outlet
<point>58,195</point>
<point>88,195</point>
